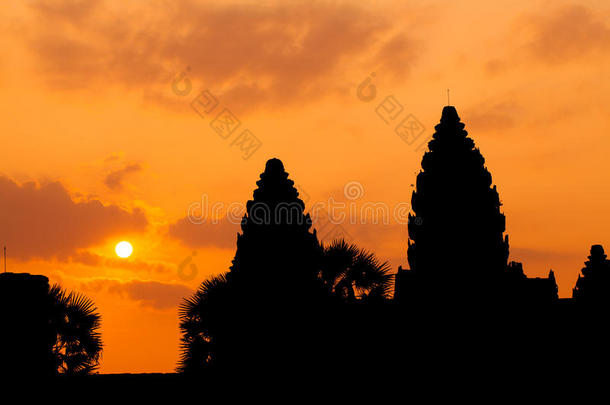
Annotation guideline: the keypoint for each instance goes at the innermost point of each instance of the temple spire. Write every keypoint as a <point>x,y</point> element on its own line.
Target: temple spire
<point>459,242</point>
<point>450,115</point>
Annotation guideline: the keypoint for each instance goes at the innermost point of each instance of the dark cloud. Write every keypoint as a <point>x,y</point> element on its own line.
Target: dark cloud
<point>253,56</point>
<point>43,221</point>
<point>139,265</point>
<point>153,294</point>
<point>87,258</point>
<point>114,179</point>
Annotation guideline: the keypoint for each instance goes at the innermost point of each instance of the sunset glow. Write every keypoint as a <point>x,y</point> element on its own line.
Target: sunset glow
<point>124,121</point>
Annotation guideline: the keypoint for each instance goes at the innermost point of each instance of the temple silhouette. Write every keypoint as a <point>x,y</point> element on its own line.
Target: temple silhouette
<point>592,285</point>
<point>27,339</point>
<point>291,300</point>
<point>289,303</point>
<point>457,248</point>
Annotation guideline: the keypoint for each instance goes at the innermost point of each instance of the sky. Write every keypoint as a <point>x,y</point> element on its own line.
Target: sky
<point>150,122</point>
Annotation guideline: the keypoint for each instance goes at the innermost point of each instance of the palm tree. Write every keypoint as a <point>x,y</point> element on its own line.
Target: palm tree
<point>200,321</point>
<point>352,273</point>
<point>75,322</point>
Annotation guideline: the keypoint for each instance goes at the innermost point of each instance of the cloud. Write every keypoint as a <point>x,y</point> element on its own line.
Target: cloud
<point>152,294</point>
<point>396,55</point>
<point>547,258</point>
<point>89,258</point>
<point>222,234</point>
<point>68,10</point>
<point>114,180</point>
<point>250,56</point>
<point>553,37</point>
<point>491,116</point>
<point>568,33</point>
<point>43,221</point>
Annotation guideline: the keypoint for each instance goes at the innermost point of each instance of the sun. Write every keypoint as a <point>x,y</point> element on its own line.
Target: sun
<point>123,249</point>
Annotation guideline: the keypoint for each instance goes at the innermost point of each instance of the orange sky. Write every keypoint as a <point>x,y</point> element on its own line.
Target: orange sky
<point>97,147</point>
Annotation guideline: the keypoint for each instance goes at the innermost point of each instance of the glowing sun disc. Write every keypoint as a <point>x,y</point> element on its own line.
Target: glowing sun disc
<point>123,249</point>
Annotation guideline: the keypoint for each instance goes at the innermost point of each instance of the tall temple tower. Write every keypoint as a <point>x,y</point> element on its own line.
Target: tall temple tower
<point>457,244</point>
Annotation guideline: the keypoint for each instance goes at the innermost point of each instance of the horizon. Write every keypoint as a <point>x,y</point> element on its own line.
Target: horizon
<point>129,123</point>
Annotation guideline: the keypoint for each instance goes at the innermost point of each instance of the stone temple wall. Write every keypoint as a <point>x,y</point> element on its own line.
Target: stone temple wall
<point>26,338</point>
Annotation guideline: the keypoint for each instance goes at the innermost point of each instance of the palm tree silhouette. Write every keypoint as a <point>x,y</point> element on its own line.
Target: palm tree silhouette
<point>75,323</point>
<point>352,273</point>
<point>199,320</point>
<point>208,318</point>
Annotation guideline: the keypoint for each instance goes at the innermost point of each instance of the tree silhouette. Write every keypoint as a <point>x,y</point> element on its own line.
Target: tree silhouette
<point>200,324</point>
<point>351,273</point>
<point>593,284</point>
<point>456,241</point>
<point>75,323</point>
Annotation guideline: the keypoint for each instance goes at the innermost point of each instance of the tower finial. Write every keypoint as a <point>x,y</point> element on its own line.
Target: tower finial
<point>448,102</point>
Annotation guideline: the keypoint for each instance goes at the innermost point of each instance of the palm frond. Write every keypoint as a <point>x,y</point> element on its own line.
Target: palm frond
<point>198,315</point>
<point>346,268</point>
<point>76,324</point>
